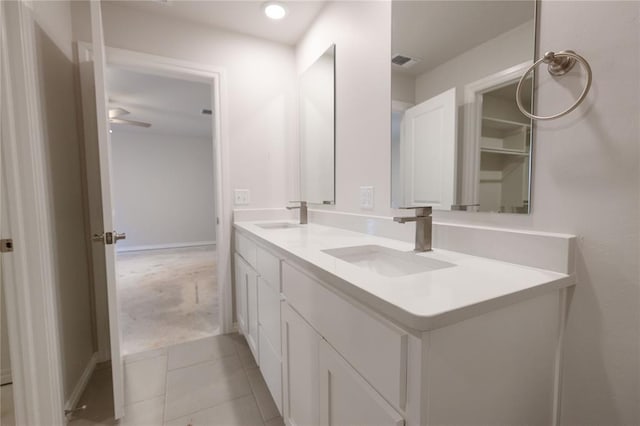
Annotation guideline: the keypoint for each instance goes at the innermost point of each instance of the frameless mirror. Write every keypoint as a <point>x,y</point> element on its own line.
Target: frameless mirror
<point>317,130</point>
<point>459,141</point>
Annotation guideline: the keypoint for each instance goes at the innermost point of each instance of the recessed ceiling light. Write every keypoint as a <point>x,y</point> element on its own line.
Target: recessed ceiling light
<point>274,10</point>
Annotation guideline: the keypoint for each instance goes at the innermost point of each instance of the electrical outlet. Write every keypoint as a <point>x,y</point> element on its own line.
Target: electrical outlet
<point>241,197</point>
<point>366,197</point>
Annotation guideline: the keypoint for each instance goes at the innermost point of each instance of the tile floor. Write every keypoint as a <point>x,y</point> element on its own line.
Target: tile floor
<point>207,382</point>
<point>167,297</point>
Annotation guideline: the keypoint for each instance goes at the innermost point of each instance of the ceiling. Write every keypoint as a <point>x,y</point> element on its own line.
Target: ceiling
<point>438,31</point>
<point>172,106</point>
<point>243,16</point>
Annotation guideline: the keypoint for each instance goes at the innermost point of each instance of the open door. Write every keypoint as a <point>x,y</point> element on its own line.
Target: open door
<point>98,159</point>
<point>428,147</point>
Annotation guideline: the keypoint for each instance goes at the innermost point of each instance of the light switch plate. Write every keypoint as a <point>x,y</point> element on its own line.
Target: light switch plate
<point>366,197</point>
<point>241,197</point>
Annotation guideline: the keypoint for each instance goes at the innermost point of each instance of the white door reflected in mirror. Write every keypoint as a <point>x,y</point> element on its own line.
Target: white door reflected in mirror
<point>426,155</point>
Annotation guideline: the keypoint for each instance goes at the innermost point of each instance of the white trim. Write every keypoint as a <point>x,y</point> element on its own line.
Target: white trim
<point>82,383</point>
<point>29,272</point>
<point>473,124</point>
<point>216,77</point>
<point>165,246</point>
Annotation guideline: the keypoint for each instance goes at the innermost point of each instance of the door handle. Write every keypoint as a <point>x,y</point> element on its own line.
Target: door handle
<point>109,237</point>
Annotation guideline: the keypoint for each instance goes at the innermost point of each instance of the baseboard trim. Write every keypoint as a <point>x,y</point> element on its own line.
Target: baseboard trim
<point>5,376</point>
<point>165,246</point>
<point>81,385</point>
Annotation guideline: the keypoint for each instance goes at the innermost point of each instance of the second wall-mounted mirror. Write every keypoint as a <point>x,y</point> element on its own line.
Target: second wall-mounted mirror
<point>458,140</point>
<point>317,130</point>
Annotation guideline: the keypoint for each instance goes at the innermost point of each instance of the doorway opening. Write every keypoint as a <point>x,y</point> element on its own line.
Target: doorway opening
<point>163,189</point>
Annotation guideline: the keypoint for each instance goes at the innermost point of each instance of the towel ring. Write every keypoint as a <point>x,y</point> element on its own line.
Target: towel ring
<point>559,64</point>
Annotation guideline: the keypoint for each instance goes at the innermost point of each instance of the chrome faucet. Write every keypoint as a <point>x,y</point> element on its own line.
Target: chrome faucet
<point>303,211</point>
<point>423,222</point>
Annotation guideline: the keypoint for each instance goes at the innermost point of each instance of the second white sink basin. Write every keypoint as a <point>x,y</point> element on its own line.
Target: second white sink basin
<point>386,261</point>
<point>277,225</point>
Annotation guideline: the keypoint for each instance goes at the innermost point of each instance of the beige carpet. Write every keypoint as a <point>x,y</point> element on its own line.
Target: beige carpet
<point>167,297</point>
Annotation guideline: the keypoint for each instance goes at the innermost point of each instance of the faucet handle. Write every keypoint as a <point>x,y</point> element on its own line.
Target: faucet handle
<point>421,211</point>
<point>303,204</point>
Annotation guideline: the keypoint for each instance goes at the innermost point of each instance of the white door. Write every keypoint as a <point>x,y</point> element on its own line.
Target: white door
<point>428,146</point>
<point>98,154</point>
<point>346,398</point>
<point>300,372</point>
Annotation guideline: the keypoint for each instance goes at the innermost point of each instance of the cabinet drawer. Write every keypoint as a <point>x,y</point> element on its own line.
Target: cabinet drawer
<point>268,266</point>
<point>269,309</point>
<point>246,248</point>
<point>271,368</point>
<point>377,350</point>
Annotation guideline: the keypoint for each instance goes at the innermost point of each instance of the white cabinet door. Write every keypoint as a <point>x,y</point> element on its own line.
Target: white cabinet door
<point>300,362</point>
<point>252,312</point>
<point>428,146</point>
<point>271,368</point>
<point>346,398</point>
<point>241,294</point>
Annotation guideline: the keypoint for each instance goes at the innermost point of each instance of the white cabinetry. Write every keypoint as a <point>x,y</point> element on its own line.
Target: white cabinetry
<point>329,357</point>
<point>258,304</point>
<point>301,345</point>
<point>241,293</point>
<point>247,303</point>
<point>346,398</point>
<point>344,364</point>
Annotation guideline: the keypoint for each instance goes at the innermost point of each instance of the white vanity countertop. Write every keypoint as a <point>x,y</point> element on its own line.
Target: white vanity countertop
<point>423,301</point>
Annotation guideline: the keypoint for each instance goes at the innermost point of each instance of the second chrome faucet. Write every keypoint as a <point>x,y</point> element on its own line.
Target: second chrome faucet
<point>423,222</point>
<point>303,211</point>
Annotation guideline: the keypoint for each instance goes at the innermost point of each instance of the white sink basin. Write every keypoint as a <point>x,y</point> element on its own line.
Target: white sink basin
<point>277,225</point>
<point>386,261</point>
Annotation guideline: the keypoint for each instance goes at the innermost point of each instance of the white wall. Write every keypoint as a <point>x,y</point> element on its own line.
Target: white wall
<point>361,32</point>
<point>585,177</point>
<point>260,83</point>
<point>506,50</point>
<point>403,87</point>
<point>163,188</point>
<point>57,88</point>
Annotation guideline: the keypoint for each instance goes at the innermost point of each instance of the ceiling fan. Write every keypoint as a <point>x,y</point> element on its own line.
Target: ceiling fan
<point>116,113</point>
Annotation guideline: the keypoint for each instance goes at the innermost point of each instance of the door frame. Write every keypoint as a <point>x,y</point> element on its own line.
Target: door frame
<point>28,273</point>
<point>216,77</point>
<point>473,93</point>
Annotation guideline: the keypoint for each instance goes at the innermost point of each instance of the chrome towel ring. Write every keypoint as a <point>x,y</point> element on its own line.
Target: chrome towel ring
<point>559,64</point>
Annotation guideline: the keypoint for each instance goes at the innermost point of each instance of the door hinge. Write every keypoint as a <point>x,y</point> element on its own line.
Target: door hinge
<point>6,245</point>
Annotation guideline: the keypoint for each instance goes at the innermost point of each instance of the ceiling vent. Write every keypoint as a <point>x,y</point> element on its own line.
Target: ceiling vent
<point>404,61</point>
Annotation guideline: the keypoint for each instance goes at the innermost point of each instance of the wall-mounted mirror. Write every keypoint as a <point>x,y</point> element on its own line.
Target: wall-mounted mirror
<point>317,130</point>
<point>458,140</point>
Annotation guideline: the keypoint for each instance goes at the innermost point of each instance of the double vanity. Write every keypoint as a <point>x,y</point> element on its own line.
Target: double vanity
<point>352,328</point>
<point>350,325</point>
